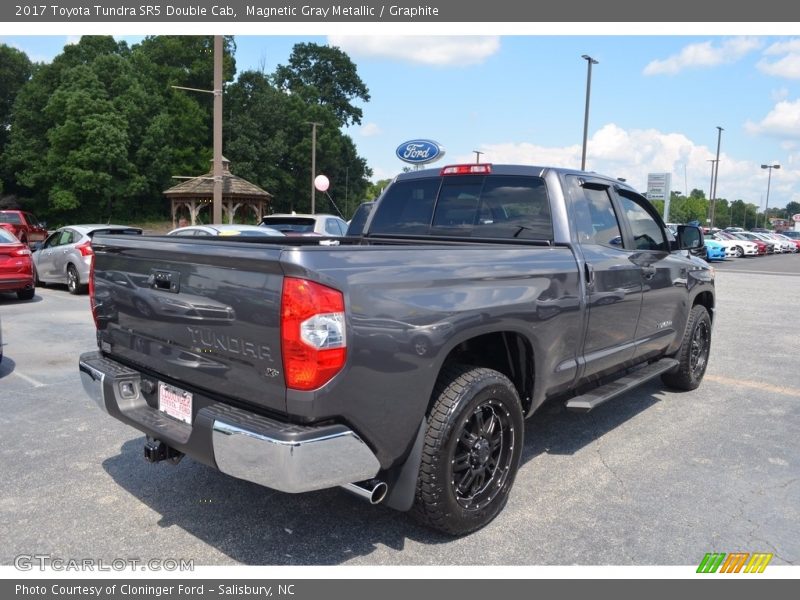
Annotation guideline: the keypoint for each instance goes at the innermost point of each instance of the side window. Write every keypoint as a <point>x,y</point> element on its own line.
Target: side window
<point>52,240</point>
<point>332,227</point>
<point>647,233</point>
<point>595,219</point>
<point>66,238</point>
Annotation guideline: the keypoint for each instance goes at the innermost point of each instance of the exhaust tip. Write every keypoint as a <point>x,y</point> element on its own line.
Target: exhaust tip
<point>373,491</point>
<point>379,493</point>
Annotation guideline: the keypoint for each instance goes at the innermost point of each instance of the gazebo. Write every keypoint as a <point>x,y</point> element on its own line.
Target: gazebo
<point>196,195</point>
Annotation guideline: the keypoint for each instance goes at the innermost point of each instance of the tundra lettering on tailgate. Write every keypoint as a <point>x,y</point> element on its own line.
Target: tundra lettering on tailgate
<point>213,341</point>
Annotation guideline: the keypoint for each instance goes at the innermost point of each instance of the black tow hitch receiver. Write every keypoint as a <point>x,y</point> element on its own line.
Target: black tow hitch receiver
<point>156,451</point>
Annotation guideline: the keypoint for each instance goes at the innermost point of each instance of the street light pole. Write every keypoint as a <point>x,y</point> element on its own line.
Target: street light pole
<point>477,156</point>
<point>711,188</point>
<point>590,61</point>
<point>769,180</point>
<point>716,176</point>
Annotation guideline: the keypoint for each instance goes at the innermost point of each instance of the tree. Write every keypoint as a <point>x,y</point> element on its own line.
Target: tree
<point>15,70</point>
<point>99,132</point>
<point>374,189</point>
<point>269,143</point>
<point>326,76</point>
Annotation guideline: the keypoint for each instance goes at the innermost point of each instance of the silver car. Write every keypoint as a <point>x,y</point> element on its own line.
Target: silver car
<point>225,230</point>
<point>66,255</point>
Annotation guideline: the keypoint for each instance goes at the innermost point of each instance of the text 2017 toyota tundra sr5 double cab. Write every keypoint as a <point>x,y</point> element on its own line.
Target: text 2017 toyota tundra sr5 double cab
<point>400,364</point>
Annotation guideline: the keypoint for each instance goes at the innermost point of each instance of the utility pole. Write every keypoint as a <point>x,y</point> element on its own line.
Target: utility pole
<point>313,163</point>
<point>217,207</point>
<point>477,156</point>
<point>716,176</point>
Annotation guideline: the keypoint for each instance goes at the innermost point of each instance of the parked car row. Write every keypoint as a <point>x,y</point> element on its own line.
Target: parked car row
<point>737,243</point>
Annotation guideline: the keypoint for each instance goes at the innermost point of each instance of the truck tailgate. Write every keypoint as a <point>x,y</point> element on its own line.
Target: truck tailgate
<point>200,314</point>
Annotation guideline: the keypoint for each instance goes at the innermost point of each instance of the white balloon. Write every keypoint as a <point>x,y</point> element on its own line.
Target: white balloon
<point>322,183</point>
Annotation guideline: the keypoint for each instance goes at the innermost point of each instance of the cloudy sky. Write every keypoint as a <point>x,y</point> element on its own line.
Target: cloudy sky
<point>655,106</point>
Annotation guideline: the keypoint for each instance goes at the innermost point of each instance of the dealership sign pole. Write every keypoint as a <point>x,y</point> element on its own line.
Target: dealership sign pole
<point>658,188</point>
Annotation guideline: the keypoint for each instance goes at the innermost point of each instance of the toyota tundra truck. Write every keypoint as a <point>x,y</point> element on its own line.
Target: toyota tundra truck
<point>400,364</point>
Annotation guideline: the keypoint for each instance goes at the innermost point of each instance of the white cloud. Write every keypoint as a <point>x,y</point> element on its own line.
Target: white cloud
<point>437,51</point>
<point>783,121</point>
<point>785,47</point>
<point>788,65</point>
<point>370,130</point>
<point>72,39</point>
<point>632,154</point>
<point>704,54</point>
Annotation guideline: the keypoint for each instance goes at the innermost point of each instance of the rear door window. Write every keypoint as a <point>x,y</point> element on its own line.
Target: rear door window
<point>595,219</point>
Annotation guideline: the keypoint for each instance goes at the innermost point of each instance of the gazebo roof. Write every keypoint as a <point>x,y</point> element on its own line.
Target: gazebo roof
<point>203,186</point>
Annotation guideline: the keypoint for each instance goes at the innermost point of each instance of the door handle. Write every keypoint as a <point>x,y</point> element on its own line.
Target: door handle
<point>588,271</point>
<point>648,272</point>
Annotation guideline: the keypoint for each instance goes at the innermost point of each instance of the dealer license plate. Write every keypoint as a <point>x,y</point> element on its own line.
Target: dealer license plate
<point>175,402</point>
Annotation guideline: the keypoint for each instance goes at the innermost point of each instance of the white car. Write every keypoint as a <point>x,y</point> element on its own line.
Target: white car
<point>780,245</point>
<point>786,244</point>
<point>297,224</point>
<point>739,247</point>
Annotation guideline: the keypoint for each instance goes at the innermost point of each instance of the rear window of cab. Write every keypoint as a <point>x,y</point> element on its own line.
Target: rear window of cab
<point>486,206</point>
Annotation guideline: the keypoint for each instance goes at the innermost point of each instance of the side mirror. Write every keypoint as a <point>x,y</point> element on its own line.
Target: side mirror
<point>690,237</point>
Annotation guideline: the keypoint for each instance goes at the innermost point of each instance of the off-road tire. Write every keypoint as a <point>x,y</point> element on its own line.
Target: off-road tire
<point>693,353</point>
<point>472,450</point>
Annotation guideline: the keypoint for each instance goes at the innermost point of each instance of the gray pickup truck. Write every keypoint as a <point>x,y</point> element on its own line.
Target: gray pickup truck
<point>400,364</point>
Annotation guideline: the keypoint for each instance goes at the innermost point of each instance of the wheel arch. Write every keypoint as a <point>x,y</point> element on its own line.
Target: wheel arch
<point>705,299</point>
<point>508,352</point>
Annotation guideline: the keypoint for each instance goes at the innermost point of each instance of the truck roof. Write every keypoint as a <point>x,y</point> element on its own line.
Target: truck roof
<point>529,170</point>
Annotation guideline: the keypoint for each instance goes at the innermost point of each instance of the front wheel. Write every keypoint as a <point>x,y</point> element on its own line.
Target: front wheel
<point>693,353</point>
<point>739,252</point>
<point>472,450</point>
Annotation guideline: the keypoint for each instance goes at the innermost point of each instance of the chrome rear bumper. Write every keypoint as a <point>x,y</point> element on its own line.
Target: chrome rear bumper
<point>282,456</point>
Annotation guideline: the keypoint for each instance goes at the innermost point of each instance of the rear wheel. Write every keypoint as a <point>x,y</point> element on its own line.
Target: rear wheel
<point>693,353</point>
<point>36,280</point>
<point>26,294</point>
<point>73,280</point>
<point>472,450</point>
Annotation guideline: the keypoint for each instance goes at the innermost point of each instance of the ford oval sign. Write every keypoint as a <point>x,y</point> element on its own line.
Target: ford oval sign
<point>419,152</point>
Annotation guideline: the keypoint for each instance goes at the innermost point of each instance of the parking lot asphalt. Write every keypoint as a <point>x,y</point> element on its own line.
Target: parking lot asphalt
<point>654,477</point>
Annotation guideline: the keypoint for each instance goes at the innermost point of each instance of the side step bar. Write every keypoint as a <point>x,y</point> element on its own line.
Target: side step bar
<point>604,393</point>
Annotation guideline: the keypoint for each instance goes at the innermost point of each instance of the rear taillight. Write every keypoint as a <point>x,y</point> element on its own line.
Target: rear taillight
<point>313,340</point>
<point>476,169</point>
<point>23,251</point>
<point>92,303</point>
<point>85,248</point>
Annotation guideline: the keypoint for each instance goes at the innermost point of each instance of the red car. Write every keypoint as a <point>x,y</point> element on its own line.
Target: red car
<point>16,266</point>
<point>762,245</point>
<point>24,225</point>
